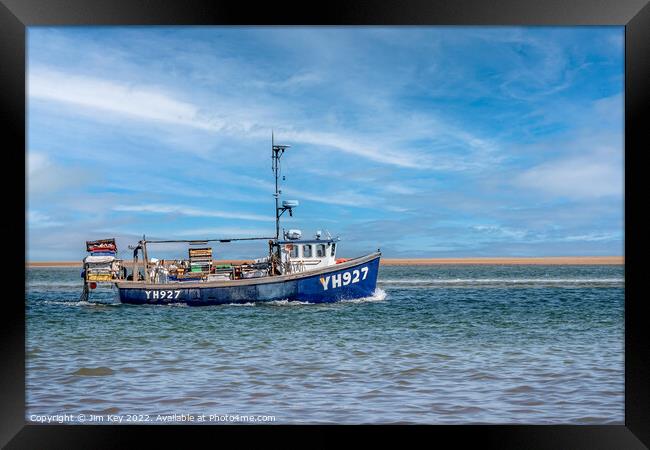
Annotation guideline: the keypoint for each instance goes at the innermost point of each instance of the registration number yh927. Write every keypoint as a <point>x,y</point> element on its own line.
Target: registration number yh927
<point>162,295</point>
<point>343,279</point>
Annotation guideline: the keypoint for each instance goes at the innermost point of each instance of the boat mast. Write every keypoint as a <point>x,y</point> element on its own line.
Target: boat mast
<point>276,154</point>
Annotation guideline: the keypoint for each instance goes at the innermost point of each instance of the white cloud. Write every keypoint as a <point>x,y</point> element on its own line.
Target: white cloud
<point>157,208</point>
<point>499,231</point>
<point>37,219</point>
<point>396,188</point>
<point>115,97</point>
<point>397,209</point>
<point>36,162</point>
<point>45,177</point>
<point>226,231</point>
<point>347,198</point>
<point>234,115</point>
<point>591,237</point>
<point>150,104</point>
<point>576,178</point>
<point>381,114</point>
<point>372,151</point>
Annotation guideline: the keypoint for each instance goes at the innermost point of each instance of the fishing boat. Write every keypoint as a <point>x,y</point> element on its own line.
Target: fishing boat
<point>295,268</point>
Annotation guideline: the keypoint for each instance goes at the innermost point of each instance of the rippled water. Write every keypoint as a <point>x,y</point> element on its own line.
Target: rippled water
<point>436,344</point>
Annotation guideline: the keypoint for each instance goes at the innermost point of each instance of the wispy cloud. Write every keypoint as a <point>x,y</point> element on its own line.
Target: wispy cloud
<point>576,178</point>
<point>486,140</point>
<point>36,219</point>
<point>189,211</point>
<point>400,189</point>
<point>158,105</point>
<point>220,232</point>
<point>374,151</point>
<point>294,81</point>
<point>590,237</point>
<point>46,177</point>
<point>500,231</point>
<point>114,97</point>
<point>344,198</point>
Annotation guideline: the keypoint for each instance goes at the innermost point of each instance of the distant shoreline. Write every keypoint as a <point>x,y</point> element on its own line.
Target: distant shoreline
<point>554,260</point>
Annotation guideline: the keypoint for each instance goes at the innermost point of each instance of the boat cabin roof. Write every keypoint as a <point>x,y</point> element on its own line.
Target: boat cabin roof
<point>307,241</point>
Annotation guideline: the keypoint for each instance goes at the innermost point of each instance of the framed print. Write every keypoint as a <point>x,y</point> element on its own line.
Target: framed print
<point>444,245</point>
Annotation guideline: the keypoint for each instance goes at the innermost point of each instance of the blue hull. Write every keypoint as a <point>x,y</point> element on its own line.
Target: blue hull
<point>354,279</point>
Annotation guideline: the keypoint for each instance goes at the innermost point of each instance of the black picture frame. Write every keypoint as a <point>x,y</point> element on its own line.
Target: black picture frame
<point>16,15</point>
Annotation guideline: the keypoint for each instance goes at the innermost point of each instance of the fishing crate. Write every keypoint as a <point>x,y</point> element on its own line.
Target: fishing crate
<point>101,245</point>
<point>200,252</point>
<point>200,260</point>
<point>99,277</point>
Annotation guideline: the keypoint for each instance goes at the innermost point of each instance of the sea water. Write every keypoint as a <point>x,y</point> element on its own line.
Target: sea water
<point>436,344</point>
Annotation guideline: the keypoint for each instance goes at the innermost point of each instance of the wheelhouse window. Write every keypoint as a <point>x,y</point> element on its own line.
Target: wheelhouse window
<point>320,250</point>
<point>333,249</point>
<point>306,251</point>
<point>294,251</point>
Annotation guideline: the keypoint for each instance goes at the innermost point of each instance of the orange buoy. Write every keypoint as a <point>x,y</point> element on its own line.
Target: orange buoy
<point>341,260</point>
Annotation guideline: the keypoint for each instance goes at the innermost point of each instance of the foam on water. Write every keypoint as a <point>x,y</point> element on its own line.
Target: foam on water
<point>378,296</point>
<point>155,305</point>
<point>286,302</point>
<point>78,303</point>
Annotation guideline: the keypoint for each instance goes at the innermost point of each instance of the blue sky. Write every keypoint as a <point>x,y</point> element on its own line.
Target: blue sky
<point>421,141</point>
